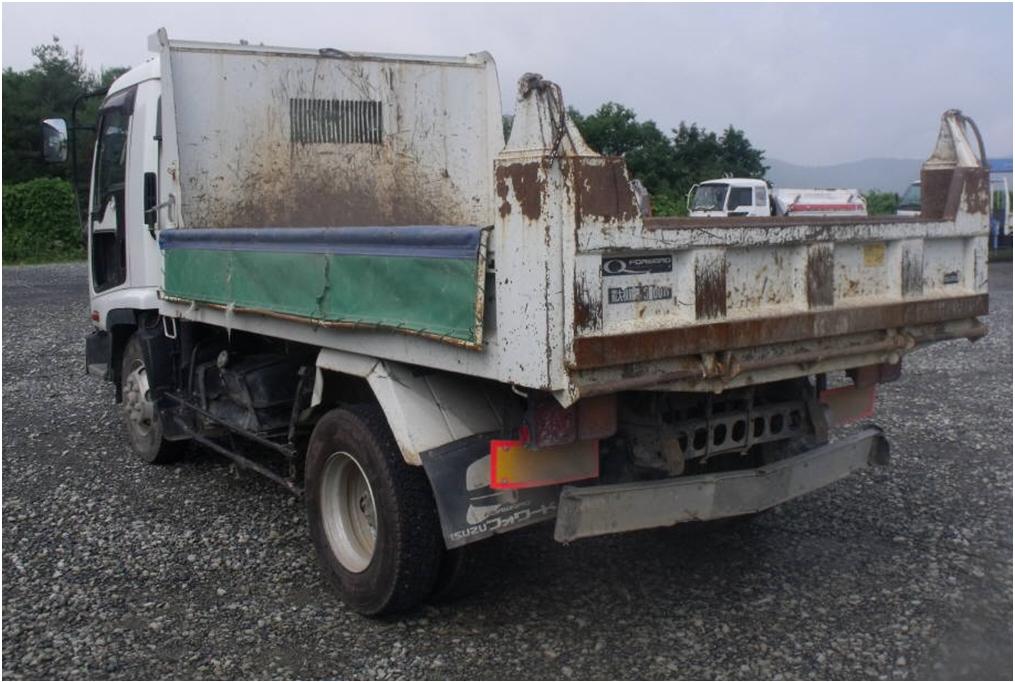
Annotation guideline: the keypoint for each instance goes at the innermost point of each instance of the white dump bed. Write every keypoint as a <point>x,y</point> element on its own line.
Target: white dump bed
<point>261,136</point>
<point>705,304</point>
<point>576,292</point>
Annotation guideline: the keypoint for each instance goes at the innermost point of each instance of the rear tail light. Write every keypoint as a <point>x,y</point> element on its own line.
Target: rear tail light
<point>548,424</point>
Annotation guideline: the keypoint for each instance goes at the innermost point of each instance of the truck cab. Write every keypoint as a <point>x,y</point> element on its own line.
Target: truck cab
<point>729,197</point>
<point>123,252</point>
<point>125,209</point>
<point>909,203</point>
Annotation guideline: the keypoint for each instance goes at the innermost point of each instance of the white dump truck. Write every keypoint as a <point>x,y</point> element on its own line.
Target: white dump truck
<point>331,268</point>
<point>739,197</point>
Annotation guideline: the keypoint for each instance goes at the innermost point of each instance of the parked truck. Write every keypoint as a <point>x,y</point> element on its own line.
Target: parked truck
<point>331,268</point>
<point>738,197</point>
<point>1000,208</point>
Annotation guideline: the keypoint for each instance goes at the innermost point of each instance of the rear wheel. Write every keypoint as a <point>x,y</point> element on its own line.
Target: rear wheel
<point>140,413</point>
<point>372,517</point>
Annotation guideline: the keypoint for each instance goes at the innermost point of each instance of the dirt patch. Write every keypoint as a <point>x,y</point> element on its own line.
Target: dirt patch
<point>820,276</point>
<point>710,288</point>
<point>588,309</point>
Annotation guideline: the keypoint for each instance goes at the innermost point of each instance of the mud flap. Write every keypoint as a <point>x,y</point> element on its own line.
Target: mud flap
<point>98,349</point>
<point>469,508</point>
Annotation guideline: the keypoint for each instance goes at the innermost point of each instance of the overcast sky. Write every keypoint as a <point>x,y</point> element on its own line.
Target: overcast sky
<point>812,84</point>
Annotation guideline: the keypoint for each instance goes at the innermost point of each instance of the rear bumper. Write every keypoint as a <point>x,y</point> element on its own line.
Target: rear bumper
<point>598,510</point>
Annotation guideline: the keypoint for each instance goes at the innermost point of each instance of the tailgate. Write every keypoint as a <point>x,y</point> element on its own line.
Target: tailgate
<point>710,303</point>
<point>607,300</point>
<point>690,287</point>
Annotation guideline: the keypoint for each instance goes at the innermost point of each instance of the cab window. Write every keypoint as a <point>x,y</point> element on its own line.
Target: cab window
<point>739,196</point>
<point>111,159</point>
<point>910,201</point>
<point>109,244</point>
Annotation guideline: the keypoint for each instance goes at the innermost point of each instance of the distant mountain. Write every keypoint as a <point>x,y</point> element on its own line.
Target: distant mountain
<point>885,175</point>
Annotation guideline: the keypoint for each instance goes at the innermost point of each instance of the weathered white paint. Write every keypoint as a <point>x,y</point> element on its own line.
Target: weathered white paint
<point>239,166</point>
<point>443,115</point>
<point>424,410</point>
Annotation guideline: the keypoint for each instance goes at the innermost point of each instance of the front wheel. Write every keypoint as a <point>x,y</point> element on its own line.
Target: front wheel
<point>140,413</point>
<point>372,517</point>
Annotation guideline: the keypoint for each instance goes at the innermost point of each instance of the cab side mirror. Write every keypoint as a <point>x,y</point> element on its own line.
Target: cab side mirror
<point>54,140</point>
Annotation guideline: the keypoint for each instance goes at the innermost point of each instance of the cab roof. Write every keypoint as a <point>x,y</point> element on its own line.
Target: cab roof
<point>146,70</point>
<point>751,182</point>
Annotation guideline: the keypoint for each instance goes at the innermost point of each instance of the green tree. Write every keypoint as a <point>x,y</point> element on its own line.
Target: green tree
<point>740,158</point>
<point>881,203</point>
<point>48,90</point>
<point>614,130</point>
<point>669,166</point>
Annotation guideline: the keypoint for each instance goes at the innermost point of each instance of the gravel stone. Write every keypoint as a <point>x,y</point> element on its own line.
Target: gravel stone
<point>117,570</point>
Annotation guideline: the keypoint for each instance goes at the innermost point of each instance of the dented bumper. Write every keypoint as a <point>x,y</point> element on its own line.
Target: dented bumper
<point>599,510</point>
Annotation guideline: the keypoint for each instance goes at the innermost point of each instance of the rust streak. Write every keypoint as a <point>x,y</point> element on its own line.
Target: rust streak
<point>588,309</point>
<point>820,275</point>
<point>710,287</point>
<point>607,351</point>
<point>912,273</point>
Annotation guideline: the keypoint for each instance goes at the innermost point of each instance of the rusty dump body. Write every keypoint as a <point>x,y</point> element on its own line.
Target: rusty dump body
<point>788,294</point>
<point>579,294</point>
<point>709,304</point>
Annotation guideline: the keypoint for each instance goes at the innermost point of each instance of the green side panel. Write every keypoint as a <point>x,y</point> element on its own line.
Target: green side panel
<point>199,275</point>
<point>290,283</point>
<point>434,296</point>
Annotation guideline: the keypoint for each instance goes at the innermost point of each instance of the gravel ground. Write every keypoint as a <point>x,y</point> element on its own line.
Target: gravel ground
<point>114,569</point>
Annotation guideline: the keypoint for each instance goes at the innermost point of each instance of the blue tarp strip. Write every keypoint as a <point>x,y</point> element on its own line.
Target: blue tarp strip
<point>416,241</point>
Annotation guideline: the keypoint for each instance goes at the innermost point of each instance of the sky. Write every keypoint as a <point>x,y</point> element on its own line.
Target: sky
<point>813,84</point>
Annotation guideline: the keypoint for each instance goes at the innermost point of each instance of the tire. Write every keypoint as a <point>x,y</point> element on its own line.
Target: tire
<point>372,517</point>
<point>141,416</point>
<point>455,577</point>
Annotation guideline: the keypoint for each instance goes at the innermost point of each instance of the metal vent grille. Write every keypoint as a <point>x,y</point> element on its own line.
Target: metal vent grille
<point>335,121</point>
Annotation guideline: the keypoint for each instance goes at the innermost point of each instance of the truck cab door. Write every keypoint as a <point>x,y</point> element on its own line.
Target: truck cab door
<point>739,201</point>
<point>762,205</point>
<point>107,243</point>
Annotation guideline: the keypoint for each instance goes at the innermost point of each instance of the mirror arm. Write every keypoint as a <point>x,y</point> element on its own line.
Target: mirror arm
<point>154,212</point>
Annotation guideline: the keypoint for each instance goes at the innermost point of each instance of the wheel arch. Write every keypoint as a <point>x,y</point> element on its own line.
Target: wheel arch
<point>424,408</point>
<point>121,323</point>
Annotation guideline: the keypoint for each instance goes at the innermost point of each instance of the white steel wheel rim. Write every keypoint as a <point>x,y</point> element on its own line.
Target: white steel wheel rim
<point>137,402</point>
<point>348,511</point>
